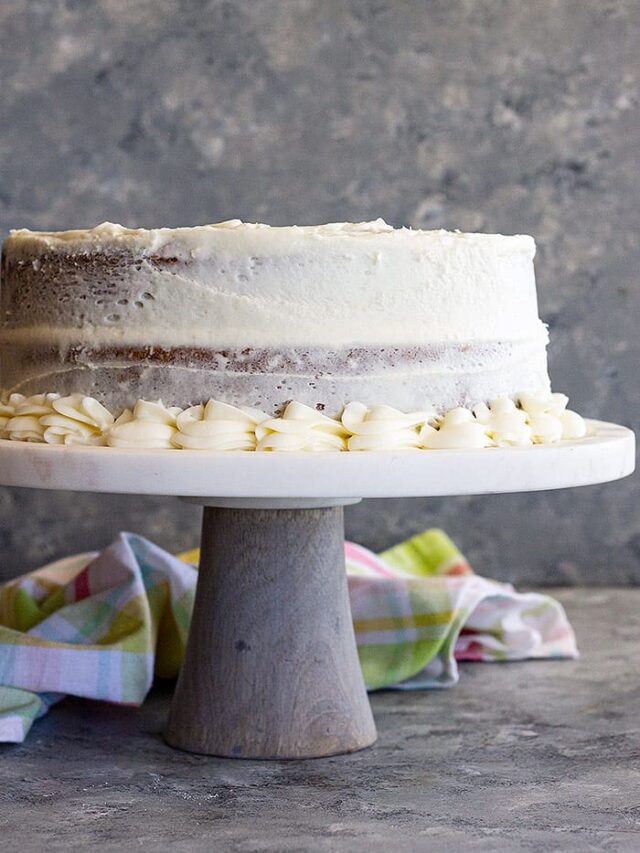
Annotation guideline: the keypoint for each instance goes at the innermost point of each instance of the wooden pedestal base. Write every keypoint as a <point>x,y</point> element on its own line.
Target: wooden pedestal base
<point>271,668</point>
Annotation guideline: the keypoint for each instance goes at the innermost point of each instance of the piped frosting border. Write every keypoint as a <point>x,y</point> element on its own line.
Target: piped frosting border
<point>533,418</point>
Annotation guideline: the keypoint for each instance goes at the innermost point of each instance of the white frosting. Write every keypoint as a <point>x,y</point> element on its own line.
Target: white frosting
<point>24,416</point>
<point>76,420</point>
<point>458,429</point>
<point>542,402</point>
<point>545,428</point>
<point>25,428</point>
<point>504,423</point>
<point>542,418</point>
<point>342,284</point>
<point>148,425</point>
<point>6,413</point>
<point>36,404</point>
<point>218,426</point>
<point>301,428</point>
<point>573,425</point>
<point>549,418</point>
<point>382,427</point>
<point>202,240</point>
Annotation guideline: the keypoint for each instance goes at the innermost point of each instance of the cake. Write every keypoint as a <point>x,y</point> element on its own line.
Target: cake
<point>254,315</point>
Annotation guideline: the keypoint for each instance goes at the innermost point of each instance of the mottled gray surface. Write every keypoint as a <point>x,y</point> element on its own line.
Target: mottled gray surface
<point>516,757</point>
<point>476,114</point>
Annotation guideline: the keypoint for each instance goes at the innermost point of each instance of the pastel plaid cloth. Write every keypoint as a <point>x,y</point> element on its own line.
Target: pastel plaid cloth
<point>102,625</point>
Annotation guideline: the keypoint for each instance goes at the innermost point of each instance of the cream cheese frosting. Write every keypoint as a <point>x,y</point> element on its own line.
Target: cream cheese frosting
<point>150,424</point>
<point>549,418</point>
<point>24,416</point>
<point>382,427</point>
<point>201,239</point>
<point>504,423</point>
<point>367,281</point>
<point>76,419</point>
<point>218,426</point>
<point>458,429</point>
<point>301,428</point>
<point>540,418</point>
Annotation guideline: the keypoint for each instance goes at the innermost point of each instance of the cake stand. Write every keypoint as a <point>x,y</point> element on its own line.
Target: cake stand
<point>271,667</point>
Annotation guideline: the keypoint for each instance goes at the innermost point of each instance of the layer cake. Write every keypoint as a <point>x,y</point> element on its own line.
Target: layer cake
<point>254,315</point>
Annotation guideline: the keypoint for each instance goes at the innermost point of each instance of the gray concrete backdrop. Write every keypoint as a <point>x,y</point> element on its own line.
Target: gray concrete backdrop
<point>493,115</point>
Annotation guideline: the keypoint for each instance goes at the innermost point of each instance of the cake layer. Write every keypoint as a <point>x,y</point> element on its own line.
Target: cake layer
<point>437,377</point>
<point>231,284</point>
<point>257,315</point>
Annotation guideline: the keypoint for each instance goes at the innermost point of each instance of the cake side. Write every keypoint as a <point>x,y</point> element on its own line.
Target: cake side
<point>336,285</point>
<point>259,315</point>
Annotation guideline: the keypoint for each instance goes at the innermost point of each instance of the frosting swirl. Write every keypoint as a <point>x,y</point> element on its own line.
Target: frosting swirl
<point>6,413</point>
<point>8,407</point>
<point>504,423</point>
<point>549,418</point>
<point>458,429</point>
<point>301,428</point>
<point>537,418</point>
<point>151,425</point>
<point>382,427</point>
<point>542,402</point>
<point>76,419</point>
<point>218,426</point>
<point>25,422</point>
<point>573,425</point>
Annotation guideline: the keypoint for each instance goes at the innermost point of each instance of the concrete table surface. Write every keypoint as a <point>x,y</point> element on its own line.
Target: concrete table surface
<point>531,756</point>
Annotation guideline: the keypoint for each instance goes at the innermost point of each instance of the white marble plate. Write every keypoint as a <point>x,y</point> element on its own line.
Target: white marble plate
<point>606,455</point>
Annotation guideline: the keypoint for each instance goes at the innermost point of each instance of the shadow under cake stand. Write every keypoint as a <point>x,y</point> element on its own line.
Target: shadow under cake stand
<point>271,667</point>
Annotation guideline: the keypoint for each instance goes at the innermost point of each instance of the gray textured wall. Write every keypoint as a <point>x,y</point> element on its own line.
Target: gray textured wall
<point>493,115</point>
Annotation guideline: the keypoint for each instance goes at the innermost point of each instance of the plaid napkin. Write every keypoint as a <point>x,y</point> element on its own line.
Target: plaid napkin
<point>102,625</point>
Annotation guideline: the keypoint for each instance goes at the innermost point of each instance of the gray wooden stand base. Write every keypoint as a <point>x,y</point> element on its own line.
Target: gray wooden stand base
<point>271,668</point>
